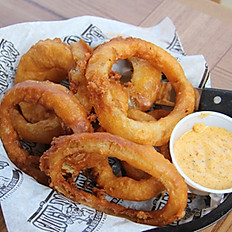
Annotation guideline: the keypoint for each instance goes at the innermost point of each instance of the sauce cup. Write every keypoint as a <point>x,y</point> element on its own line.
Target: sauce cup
<point>209,118</point>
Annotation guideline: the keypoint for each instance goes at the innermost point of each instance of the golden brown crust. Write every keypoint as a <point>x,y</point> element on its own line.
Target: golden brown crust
<point>51,96</point>
<point>113,118</point>
<point>139,115</point>
<point>86,149</point>
<point>43,62</point>
<point>126,187</point>
<point>42,131</point>
<point>144,84</point>
<point>78,83</point>
<point>49,59</point>
<point>149,172</point>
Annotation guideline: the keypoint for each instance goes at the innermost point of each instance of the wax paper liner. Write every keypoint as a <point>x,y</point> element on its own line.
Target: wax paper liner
<point>29,206</point>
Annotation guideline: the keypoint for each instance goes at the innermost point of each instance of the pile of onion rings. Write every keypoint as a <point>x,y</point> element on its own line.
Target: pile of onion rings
<point>38,110</point>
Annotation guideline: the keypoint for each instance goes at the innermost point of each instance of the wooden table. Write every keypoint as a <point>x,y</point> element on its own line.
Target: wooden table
<point>204,27</point>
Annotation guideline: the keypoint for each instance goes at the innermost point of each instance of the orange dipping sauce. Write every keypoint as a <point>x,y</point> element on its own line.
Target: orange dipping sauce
<point>205,155</point>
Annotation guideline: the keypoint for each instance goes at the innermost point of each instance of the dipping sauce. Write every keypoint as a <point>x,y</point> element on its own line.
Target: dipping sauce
<point>205,155</point>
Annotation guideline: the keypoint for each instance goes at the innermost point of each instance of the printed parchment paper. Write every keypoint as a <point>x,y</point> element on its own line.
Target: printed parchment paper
<point>28,206</point>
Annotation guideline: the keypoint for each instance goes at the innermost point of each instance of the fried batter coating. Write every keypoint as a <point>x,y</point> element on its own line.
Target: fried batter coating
<point>46,60</point>
<point>72,153</point>
<point>113,118</point>
<point>53,97</point>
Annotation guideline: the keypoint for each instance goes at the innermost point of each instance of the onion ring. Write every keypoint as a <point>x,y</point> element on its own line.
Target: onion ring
<point>46,60</point>
<point>49,59</point>
<point>50,95</point>
<point>77,148</point>
<point>142,88</point>
<point>114,119</point>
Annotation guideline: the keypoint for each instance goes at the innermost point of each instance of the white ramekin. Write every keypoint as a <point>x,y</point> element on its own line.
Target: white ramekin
<point>209,118</point>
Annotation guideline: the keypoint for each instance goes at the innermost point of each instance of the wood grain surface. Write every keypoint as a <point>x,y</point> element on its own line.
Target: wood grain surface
<point>204,27</point>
